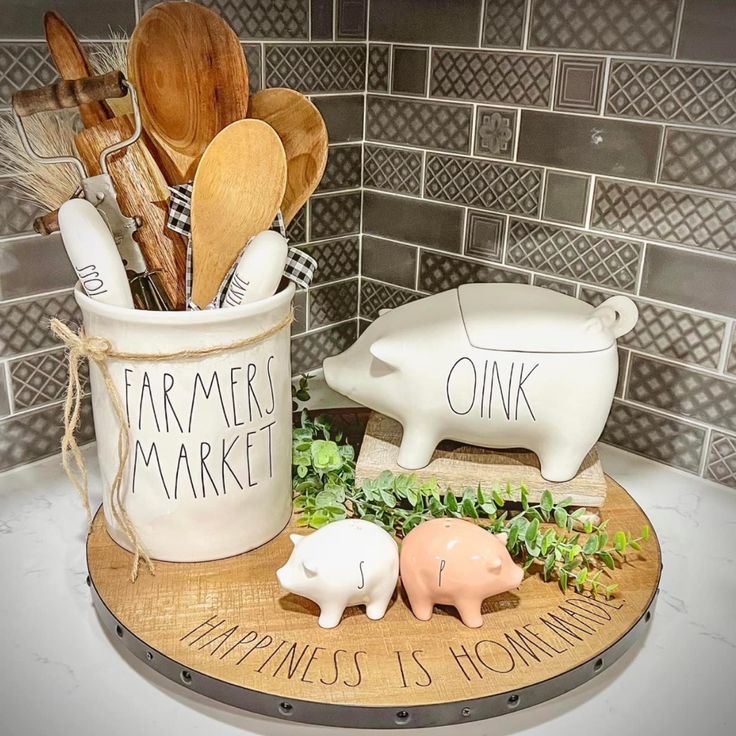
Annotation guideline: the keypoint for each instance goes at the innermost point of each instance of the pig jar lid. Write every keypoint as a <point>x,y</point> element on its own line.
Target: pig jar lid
<point>524,318</point>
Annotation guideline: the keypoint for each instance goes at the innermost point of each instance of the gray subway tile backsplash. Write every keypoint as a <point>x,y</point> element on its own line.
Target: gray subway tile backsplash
<point>625,184</point>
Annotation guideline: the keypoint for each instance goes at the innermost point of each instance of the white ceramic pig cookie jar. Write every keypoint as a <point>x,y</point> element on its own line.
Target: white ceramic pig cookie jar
<point>495,365</point>
<point>346,563</point>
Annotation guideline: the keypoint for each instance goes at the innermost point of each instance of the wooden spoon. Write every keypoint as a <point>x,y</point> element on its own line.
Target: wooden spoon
<point>237,192</point>
<point>192,80</point>
<point>303,133</point>
<point>71,62</point>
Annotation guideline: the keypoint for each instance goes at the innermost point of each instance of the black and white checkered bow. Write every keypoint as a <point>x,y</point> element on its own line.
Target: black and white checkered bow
<point>299,268</point>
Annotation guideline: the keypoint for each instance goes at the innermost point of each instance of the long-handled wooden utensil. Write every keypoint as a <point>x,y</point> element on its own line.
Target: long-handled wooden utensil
<point>238,189</point>
<point>189,69</point>
<point>303,134</point>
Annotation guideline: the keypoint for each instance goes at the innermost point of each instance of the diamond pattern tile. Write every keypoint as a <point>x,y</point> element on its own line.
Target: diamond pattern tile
<point>375,296</point>
<point>684,336</point>
<point>297,230</point>
<point>679,93</point>
<point>317,67</point>
<point>333,215</point>
<point>16,213</point>
<point>503,23</point>
<point>490,76</point>
<point>665,214</point>
<point>504,187</point>
<point>37,434</point>
<point>23,66</point>
<point>418,123</point>
<point>40,379</point>
<point>439,273</point>
<point>392,169</point>
<point>721,463</point>
<point>573,254</point>
<point>624,26</point>
<point>264,18</point>
<point>310,349</point>
<point>697,158</point>
<point>682,391</point>
<point>378,67</point>
<point>333,303</point>
<point>563,287</point>
<point>343,170</point>
<point>24,325</point>
<point>336,259</point>
<point>655,436</point>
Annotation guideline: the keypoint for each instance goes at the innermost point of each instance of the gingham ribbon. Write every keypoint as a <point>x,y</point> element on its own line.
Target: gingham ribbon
<point>299,268</point>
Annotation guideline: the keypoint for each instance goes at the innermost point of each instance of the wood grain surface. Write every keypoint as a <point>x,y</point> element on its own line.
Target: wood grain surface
<point>230,620</point>
<point>460,466</point>
<point>237,192</point>
<point>303,133</point>
<point>142,193</point>
<point>192,80</point>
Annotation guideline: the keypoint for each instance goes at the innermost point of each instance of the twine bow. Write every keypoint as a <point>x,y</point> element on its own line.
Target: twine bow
<point>99,350</point>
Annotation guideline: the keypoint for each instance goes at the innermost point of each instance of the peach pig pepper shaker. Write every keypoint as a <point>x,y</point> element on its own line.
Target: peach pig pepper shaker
<point>456,563</point>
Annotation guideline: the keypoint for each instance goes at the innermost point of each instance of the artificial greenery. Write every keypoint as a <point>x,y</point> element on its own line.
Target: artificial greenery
<point>563,545</point>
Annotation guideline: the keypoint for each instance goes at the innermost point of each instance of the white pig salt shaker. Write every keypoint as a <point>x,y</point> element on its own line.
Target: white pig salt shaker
<point>259,269</point>
<point>346,563</point>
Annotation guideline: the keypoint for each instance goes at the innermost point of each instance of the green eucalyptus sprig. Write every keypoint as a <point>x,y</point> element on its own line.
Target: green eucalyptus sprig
<point>563,544</point>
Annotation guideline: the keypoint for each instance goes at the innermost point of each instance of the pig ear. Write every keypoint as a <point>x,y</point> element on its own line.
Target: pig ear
<point>503,538</point>
<point>310,567</point>
<point>494,564</point>
<point>296,538</point>
<point>383,350</point>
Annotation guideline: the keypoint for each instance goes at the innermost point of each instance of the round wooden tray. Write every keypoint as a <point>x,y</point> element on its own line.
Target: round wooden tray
<point>226,629</point>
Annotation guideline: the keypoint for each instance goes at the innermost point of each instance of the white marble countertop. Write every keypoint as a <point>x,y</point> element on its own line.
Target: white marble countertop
<point>61,674</point>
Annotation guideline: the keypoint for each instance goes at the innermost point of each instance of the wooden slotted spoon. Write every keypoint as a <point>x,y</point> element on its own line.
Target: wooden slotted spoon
<point>192,81</point>
<point>303,133</point>
<point>238,189</point>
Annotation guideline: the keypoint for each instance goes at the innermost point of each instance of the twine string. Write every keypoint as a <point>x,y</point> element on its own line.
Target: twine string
<point>99,350</point>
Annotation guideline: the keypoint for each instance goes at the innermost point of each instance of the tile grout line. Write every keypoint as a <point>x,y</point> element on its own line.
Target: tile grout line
<point>677,30</point>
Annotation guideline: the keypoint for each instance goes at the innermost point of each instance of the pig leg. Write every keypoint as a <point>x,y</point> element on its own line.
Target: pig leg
<point>330,614</point>
<point>417,446</point>
<point>376,609</point>
<point>469,611</point>
<point>421,603</point>
<point>559,461</point>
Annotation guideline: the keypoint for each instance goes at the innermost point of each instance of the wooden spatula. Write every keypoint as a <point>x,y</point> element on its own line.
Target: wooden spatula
<point>237,192</point>
<point>192,80</point>
<point>71,62</point>
<point>303,133</point>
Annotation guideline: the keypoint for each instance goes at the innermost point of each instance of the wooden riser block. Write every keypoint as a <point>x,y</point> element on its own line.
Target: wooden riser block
<point>460,466</point>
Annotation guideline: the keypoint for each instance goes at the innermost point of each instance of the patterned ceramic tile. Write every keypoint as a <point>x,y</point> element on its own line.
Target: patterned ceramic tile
<point>24,324</point>
<point>624,26</point>
<point>494,132</point>
<point>264,18</point>
<point>37,434</point>
<point>579,84</point>
<point>489,76</point>
<point>40,379</point>
<point>682,391</point>
<point>375,296</point>
<point>336,259</point>
<point>334,215</point>
<point>655,436</point>
<point>494,186</point>
<point>409,70</point>
<point>317,67</point>
<point>503,23</point>
<point>484,235</point>
<point>23,66</point>
<point>665,214</point>
<point>255,66</point>
<point>417,123</point>
<point>623,363</point>
<point>310,349</point>
<point>297,230</point>
<point>392,169</point>
<point>343,170</point>
<point>661,330</point>
<point>573,254</point>
<point>679,93</point>
<point>563,287</point>
<point>697,158</point>
<point>439,272</point>
<point>299,324</point>
<point>721,463</point>
<point>378,67</point>
<point>333,303</point>
<point>352,17</point>
<point>16,213</point>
